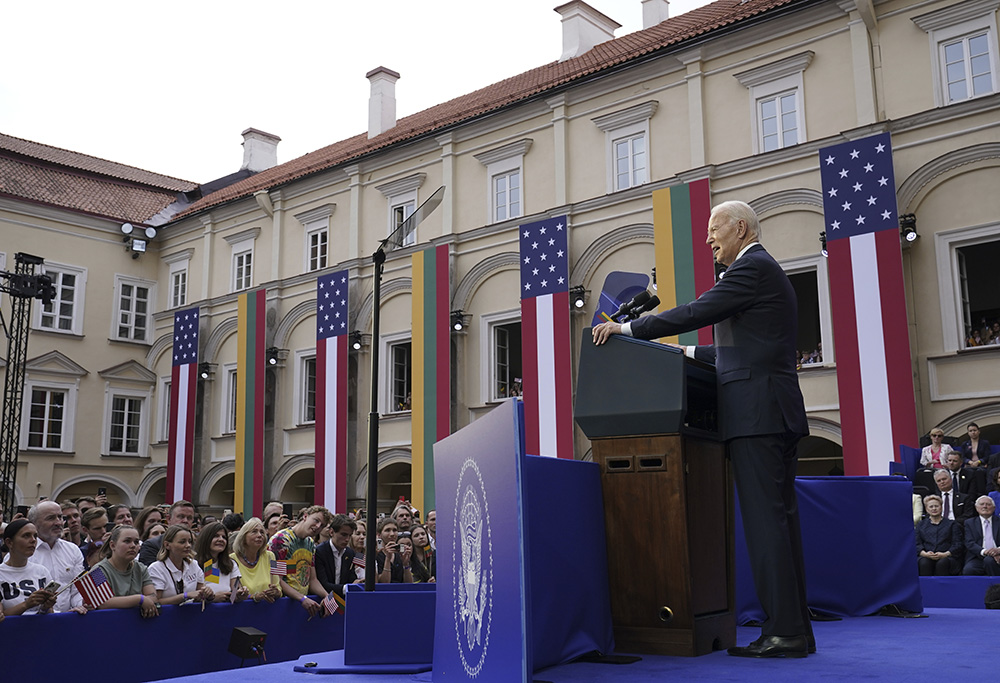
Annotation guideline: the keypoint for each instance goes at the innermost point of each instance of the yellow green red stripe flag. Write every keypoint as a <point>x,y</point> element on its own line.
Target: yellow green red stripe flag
<point>684,264</point>
<point>431,353</point>
<point>249,494</point>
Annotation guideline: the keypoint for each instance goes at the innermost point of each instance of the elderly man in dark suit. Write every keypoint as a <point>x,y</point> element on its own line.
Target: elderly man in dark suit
<point>982,541</point>
<point>754,310</point>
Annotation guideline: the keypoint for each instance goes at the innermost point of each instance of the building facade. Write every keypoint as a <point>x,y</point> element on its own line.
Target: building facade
<point>742,93</point>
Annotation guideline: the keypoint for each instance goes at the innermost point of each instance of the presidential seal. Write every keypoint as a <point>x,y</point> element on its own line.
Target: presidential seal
<point>472,555</point>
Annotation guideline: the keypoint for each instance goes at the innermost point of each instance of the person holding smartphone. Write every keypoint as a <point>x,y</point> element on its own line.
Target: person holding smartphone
<point>392,563</point>
<point>24,585</point>
<point>61,558</point>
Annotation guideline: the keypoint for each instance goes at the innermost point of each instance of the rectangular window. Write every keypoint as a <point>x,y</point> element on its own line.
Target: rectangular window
<point>164,401</point>
<point>967,67</point>
<point>242,270</point>
<point>778,118</point>
<point>232,386</point>
<point>45,422</point>
<point>133,311</point>
<point>309,390</point>
<point>126,424</point>
<point>507,195</point>
<point>178,288</point>
<point>630,161</point>
<point>809,344</point>
<point>65,312</point>
<point>400,383</point>
<point>317,249</point>
<point>978,293</point>
<point>506,361</point>
<point>400,212</point>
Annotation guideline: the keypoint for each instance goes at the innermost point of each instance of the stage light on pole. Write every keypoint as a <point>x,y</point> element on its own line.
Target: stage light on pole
<point>204,370</point>
<point>822,244</point>
<point>356,340</point>
<point>578,295</point>
<point>272,355</point>
<point>908,227</point>
<point>460,320</point>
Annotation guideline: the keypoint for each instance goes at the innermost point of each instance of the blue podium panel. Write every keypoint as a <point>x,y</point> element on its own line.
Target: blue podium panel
<point>481,586</point>
<point>367,615</point>
<point>570,606</point>
<point>858,546</point>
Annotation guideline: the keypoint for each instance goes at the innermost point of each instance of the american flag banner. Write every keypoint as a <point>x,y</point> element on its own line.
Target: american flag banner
<point>94,587</point>
<point>279,568</point>
<point>183,391</point>
<point>874,375</point>
<point>331,391</point>
<point>545,338</point>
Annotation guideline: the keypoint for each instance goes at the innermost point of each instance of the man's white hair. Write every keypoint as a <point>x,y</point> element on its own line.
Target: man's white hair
<point>736,210</point>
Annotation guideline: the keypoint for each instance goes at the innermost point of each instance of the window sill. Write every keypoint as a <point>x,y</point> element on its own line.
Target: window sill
<point>125,456</point>
<point>130,342</point>
<point>398,415</point>
<point>988,348</point>
<point>45,451</point>
<point>58,333</point>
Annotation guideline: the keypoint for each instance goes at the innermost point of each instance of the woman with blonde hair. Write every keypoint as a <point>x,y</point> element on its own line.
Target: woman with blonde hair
<point>129,579</point>
<point>176,576</point>
<point>254,561</point>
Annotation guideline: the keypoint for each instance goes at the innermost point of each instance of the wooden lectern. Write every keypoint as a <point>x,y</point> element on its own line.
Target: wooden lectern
<point>650,413</point>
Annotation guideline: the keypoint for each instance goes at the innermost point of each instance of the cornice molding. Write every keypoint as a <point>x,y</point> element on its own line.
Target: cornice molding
<point>626,117</point>
<point>398,187</point>
<point>317,214</point>
<point>178,256</point>
<point>513,149</point>
<point>797,63</point>
<point>955,14</point>
<point>129,371</point>
<point>242,236</point>
<point>55,363</point>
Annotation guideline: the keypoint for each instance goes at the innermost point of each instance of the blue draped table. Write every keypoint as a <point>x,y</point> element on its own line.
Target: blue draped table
<point>859,547</point>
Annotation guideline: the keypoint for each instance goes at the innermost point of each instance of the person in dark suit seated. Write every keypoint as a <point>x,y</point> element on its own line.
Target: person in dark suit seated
<point>982,541</point>
<point>970,481</point>
<point>976,451</point>
<point>939,542</point>
<point>755,314</point>
<point>334,559</point>
<point>955,506</point>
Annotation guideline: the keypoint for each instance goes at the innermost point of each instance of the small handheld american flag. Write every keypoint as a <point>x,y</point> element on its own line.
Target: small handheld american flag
<point>359,561</point>
<point>333,603</point>
<point>94,588</point>
<point>279,568</point>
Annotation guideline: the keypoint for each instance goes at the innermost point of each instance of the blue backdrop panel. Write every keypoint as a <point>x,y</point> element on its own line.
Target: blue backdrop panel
<point>564,516</point>
<point>192,641</point>
<point>480,620</point>
<point>965,592</point>
<point>859,547</point>
<point>365,638</point>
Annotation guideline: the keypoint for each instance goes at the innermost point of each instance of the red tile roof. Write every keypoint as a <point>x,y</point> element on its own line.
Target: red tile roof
<point>676,30</point>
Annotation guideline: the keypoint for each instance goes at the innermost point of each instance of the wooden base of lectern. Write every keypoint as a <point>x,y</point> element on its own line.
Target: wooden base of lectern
<point>669,521</point>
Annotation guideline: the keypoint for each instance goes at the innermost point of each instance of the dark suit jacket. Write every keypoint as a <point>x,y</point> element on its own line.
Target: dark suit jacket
<point>983,451</point>
<point>974,535</point>
<point>755,313</point>
<point>965,507</point>
<point>326,568</point>
<point>972,482</point>
<point>149,549</point>
<point>939,538</point>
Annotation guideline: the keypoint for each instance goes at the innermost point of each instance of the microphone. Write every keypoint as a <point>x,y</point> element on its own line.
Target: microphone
<point>653,302</point>
<point>639,299</point>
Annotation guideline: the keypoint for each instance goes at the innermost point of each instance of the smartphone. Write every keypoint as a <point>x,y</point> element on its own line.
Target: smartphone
<point>51,587</point>
<point>22,510</point>
<point>102,491</point>
<point>286,509</point>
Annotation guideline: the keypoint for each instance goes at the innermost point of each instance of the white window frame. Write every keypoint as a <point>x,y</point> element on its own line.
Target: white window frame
<point>120,281</point>
<point>76,326</point>
<point>163,409</point>
<point>956,21</point>
<point>230,400</point>
<point>144,396</point>
<point>387,342</point>
<point>626,123</point>
<point>178,265</point>
<point>500,162</point>
<point>242,244</point>
<point>302,358</point>
<point>71,389</point>
<point>487,351</point>
<point>772,80</point>
<point>316,223</point>
<point>178,287</point>
<point>946,243</point>
<point>400,193</point>
<point>818,265</point>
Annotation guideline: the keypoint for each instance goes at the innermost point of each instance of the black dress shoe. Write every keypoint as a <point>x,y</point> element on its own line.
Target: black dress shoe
<point>811,642</point>
<point>794,647</point>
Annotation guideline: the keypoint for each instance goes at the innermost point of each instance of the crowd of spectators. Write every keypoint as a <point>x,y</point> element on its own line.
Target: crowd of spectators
<point>985,333</point>
<point>169,555</point>
<point>959,532</point>
<point>814,357</point>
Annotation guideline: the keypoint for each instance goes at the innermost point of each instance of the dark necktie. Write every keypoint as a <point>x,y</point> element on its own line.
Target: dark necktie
<point>947,506</point>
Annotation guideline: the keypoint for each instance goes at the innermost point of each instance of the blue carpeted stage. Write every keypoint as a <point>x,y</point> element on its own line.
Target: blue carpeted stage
<point>873,648</point>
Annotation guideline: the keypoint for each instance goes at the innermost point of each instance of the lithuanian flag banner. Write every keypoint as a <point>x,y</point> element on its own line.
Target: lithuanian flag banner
<point>684,264</point>
<point>431,362</point>
<point>249,494</point>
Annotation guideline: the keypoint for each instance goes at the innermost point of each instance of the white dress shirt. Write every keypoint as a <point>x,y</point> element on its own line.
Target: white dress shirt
<point>64,561</point>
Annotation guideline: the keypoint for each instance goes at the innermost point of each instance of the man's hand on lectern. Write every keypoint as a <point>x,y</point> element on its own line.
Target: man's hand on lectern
<point>605,330</point>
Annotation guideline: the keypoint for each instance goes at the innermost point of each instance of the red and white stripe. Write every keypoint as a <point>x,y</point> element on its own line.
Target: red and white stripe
<point>180,443</point>
<point>547,382</point>
<point>331,423</point>
<point>874,377</point>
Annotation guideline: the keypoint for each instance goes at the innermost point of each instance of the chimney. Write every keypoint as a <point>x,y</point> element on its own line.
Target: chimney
<point>654,12</point>
<point>382,102</point>
<point>260,150</point>
<point>583,28</point>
